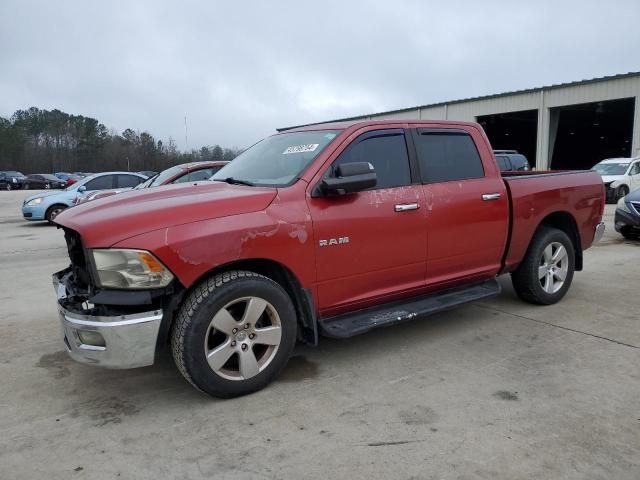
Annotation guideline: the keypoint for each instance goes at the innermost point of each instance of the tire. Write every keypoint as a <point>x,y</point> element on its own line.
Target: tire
<point>621,192</point>
<point>26,186</point>
<point>205,326</point>
<point>546,289</point>
<point>53,211</point>
<point>629,234</point>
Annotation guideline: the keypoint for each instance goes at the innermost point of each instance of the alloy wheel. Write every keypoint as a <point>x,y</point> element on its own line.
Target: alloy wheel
<point>243,338</point>
<point>553,268</point>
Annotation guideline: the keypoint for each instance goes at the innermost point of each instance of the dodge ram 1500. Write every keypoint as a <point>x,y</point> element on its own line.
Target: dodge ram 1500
<point>324,230</point>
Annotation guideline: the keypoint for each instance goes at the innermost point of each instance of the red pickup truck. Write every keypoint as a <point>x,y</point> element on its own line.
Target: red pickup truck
<point>325,230</point>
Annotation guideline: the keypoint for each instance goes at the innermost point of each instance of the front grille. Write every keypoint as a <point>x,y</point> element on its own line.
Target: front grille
<point>636,207</point>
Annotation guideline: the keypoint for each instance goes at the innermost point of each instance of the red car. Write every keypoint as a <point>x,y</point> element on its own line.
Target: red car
<point>187,172</point>
<point>325,230</point>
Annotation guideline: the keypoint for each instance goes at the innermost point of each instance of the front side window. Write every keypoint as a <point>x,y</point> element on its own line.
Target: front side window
<point>635,170</point>
<point>386,150</point>
<point>447,157</point>
<point>277,161</point>
<point>101,183</point>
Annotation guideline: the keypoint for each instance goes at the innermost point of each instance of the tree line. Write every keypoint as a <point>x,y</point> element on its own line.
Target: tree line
<point>47,141</point>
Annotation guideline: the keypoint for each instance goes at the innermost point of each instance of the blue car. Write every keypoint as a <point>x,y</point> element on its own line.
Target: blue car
<point>47,205</point>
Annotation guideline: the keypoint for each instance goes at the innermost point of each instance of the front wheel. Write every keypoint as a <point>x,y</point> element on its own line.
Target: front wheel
<point>621,192</point>
<point>234,334</point>
<point>545,274</point>
<point>53,211</point>
<point>8,187</point>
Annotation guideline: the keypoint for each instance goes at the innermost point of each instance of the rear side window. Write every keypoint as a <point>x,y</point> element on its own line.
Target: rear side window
<point>101,183</point>
<point>386,150</point>
<point>128,181</point>
<point>446,157</point>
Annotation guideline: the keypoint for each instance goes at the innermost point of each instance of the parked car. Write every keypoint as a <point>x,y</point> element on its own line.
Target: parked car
<point>187,172</point>
<point>331,230</point>
<point>627,216</point>
<point>11,180</point>
<point>620,176</point>
<point>47,205</point>
<point>511,160</point>
<point>148,173</point>
<point>43,181</point>
<point>69,178</point>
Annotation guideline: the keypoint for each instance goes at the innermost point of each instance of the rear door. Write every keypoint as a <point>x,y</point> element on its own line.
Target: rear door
<point>370,246</point>
<point>468,209</point>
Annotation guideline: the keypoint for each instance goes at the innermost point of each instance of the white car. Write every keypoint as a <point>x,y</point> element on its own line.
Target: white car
<point>620,176</point>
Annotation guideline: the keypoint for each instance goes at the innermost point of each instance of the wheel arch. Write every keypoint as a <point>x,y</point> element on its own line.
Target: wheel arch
<point>302,298</point>
<point>567,223</point>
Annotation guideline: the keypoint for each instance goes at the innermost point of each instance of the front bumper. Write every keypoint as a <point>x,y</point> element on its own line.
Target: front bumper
<point>33,213</point>
<point>129,341</point>
<point>625,220</point>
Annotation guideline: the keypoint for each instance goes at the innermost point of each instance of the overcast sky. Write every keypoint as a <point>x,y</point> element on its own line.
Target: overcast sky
<point>238,70</point>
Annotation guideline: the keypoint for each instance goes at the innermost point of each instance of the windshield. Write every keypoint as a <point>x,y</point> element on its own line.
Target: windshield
<point>146,183</point>
<point>277,161</point>
<point>14,174</point>
<point>164,176</point>
<point>611,168</point>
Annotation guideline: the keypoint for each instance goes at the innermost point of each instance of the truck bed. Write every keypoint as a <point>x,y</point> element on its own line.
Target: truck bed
<point>534,195</point>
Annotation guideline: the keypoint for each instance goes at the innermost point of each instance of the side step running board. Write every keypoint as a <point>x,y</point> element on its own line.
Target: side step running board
<point>361,321</point>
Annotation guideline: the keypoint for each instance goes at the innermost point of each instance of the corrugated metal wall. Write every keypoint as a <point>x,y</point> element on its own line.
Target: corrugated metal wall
<point>541,100</point>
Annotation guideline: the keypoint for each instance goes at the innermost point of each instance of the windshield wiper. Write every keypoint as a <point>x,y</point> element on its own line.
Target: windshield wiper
<point>236,181</point>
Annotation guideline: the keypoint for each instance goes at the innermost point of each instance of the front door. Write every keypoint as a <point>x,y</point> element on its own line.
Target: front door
<point>370,246</point>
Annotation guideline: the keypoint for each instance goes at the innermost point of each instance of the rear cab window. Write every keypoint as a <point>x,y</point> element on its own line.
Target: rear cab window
<point>447,155</point>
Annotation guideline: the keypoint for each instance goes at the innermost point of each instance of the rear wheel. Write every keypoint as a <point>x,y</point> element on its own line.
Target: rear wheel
<point>630,234</point>
<point>545,274</point>
<point>234,334</point>
<point>53,211</point>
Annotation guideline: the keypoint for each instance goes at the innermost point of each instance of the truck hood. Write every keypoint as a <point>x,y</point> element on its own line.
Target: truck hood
<point>107,221</point>
<point>612,178</point>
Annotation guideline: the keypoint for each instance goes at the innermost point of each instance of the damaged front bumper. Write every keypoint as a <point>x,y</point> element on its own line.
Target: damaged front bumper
<point>110,341</point>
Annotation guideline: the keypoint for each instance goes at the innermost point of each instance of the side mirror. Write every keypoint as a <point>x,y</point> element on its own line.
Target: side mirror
<point>351,177</point>
<point>82,188</point>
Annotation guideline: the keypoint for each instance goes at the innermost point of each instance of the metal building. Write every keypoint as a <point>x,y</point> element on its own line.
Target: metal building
<point>565,126</point>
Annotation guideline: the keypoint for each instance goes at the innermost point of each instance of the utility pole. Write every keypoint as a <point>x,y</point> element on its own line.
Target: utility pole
<point>186,142</point>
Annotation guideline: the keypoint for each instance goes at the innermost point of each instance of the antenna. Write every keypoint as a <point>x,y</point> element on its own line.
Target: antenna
<point>186,142</point>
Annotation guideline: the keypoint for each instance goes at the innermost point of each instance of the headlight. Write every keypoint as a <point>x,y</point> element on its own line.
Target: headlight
<point>622,205</point>
<point>131,269</point>
<point>14,180</point>
<point>34,202</point>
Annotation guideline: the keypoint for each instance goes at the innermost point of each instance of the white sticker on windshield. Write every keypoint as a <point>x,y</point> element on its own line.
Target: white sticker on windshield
<point>309,147</point>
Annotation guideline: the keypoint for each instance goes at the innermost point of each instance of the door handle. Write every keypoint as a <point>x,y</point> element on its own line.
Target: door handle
<point>405,207</point>
<point>491,196</point>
